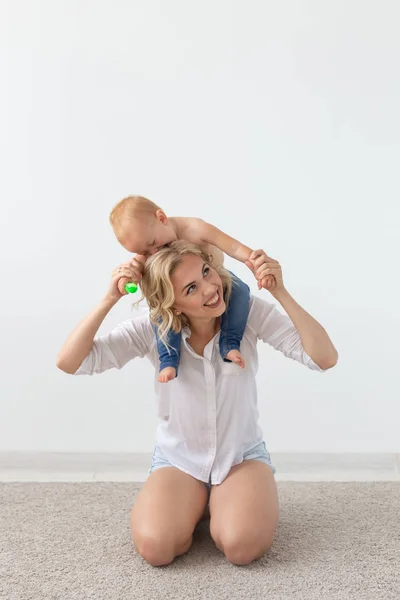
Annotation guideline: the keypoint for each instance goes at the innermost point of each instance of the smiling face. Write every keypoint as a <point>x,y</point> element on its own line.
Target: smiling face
<point>198,289</point>
<point>148,235</point>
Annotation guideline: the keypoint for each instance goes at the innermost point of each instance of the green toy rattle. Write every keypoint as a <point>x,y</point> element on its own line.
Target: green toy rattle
<point>131,288</point>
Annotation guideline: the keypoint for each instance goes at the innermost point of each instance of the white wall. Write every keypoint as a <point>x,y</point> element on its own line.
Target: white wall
<point>276,121</point>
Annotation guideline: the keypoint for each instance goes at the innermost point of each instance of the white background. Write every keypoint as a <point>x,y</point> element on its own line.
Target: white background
<point>276,121</point>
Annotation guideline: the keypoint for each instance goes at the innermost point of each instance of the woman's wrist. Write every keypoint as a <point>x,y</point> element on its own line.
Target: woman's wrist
<point>280,295</point>
<point>109,301</point>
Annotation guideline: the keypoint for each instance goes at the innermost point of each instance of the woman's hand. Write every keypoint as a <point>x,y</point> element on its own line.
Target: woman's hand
<point>80,341</point>
<point>126,273</point>
<point>266,270</point>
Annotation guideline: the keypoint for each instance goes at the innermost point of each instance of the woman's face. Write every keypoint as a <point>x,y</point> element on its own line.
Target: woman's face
<point>198,289</point>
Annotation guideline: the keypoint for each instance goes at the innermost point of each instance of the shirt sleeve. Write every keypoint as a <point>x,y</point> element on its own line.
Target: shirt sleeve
<point>127,341</point>
<point>277,330</point>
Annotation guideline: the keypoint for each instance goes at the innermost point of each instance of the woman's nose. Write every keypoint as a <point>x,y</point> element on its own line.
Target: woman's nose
<point>209,290</point>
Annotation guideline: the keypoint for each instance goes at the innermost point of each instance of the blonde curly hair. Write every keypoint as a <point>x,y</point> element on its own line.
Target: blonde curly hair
<point>158,290</point>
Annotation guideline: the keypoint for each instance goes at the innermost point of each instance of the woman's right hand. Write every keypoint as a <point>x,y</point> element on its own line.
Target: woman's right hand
<point>123,274</point>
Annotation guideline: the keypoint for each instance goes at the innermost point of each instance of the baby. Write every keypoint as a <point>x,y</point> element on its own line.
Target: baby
<point>143,228</point>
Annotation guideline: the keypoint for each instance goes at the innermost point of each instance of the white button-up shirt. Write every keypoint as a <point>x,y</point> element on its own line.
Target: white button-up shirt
<point>208,414</point>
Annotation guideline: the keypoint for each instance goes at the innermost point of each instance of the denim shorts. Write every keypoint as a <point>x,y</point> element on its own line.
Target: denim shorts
<point>259,452</point>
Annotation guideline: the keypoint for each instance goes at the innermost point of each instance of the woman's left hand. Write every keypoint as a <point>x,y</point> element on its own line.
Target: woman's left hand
<point>266,270</point>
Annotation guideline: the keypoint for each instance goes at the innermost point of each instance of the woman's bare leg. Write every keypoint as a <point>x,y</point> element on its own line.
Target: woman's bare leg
<point>165,513</point>
<point>244,512</point>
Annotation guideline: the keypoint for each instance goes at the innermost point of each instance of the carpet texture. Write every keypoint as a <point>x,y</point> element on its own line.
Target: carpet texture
<point>67,541</point>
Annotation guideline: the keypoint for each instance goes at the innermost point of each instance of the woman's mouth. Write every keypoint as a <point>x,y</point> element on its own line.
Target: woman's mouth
<point>214,302</point>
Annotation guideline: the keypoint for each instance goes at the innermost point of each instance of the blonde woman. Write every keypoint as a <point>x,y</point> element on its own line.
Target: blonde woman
<point>209,447</point>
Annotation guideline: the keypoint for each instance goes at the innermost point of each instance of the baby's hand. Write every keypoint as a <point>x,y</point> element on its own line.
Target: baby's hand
<point>136,267</point>
<point>258,264</point>
<point>266,270</point>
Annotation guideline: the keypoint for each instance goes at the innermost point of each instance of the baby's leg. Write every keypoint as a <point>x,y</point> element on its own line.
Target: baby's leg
<point>234,321</point>
<point>169,356</point>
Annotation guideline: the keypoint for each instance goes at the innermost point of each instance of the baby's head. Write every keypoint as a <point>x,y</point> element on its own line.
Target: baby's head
<point>141,226</point>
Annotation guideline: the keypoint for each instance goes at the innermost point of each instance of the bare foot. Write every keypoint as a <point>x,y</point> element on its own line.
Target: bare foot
<point>236,357</point>
<point>167,374</point>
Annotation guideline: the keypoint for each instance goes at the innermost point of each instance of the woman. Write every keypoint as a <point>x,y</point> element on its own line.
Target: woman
<point>210,449</point>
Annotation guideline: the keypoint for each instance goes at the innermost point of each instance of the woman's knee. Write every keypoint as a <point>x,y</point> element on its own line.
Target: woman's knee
<point>241,547</point>
<point>156,548</point>
<point>158,545</point>
<point>241,554</point>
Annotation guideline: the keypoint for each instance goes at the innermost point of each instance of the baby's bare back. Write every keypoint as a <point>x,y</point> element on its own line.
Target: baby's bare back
<point>188,228</point>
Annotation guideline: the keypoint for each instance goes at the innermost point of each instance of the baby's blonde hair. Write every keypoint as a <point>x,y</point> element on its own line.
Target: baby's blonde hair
<point>158,290</point>
<point>130,208</point>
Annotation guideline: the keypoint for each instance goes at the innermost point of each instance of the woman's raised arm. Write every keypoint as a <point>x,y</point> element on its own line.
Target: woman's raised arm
<point>79,343</point>
<point>315,340</point>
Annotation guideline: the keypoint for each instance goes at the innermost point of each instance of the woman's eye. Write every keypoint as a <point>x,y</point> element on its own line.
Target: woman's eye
<point>190,289</point>
<point>206,270</point>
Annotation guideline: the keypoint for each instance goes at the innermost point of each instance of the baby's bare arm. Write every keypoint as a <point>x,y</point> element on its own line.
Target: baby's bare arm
<point>200,232</point>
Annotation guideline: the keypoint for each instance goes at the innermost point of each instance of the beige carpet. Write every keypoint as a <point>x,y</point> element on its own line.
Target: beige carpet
<point>71,541</point>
